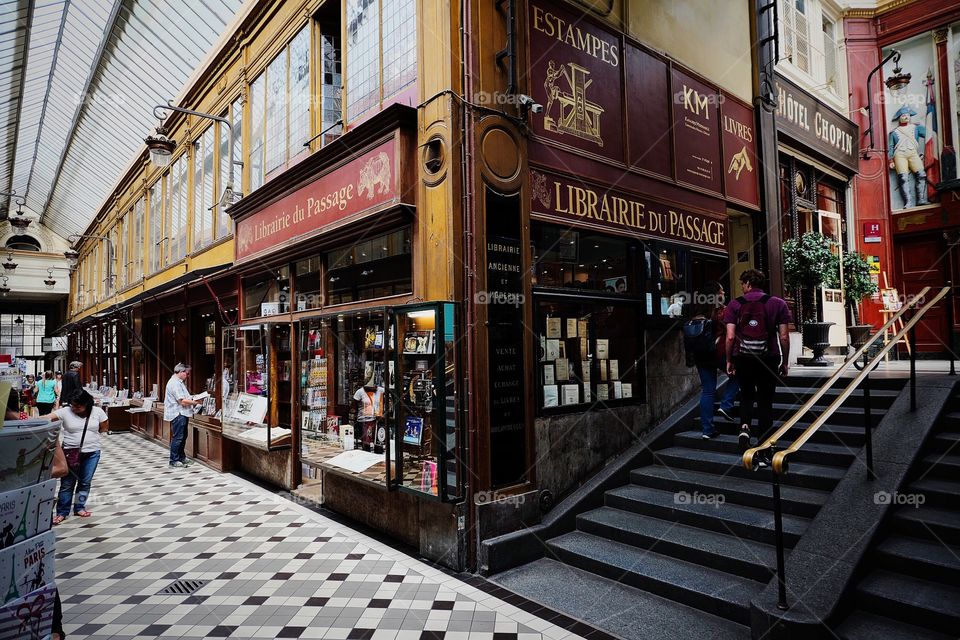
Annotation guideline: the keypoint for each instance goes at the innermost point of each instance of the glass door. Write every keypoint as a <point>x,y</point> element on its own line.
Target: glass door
<point>832,300</point>
<point>423,388</point>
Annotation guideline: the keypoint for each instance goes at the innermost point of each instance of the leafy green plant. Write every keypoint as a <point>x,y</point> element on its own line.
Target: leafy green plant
<point>810,262</point>
<point>857,283</point>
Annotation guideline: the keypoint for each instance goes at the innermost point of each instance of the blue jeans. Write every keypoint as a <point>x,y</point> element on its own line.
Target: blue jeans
<point>80,481</point>
<point>708,380</point>
<point>178,439</point>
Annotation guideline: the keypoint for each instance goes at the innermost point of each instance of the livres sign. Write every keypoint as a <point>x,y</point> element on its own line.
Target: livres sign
<point>815,125</point>
<point>363,184</point>
<point>567,200</point>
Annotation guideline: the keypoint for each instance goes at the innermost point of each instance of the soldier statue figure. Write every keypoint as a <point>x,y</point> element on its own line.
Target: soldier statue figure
<point>905,150</point>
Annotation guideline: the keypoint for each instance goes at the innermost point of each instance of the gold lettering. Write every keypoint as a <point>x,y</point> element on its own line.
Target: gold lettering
<point>552,26</point>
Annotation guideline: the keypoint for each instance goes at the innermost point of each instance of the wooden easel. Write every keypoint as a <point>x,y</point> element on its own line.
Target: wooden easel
<point>893,329</point>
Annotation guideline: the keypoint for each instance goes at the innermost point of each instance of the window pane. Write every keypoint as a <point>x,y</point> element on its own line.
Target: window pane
<point>199,202</point>
<point>372,269</point>
<point>257,104</point>
<point>363,52</point>
<point>299,92</point>
<point>588,352</point>
<point>306,278</point>
<point>399,45</point>
<point>209,189</point>
<point>330,80</point>
<point>569,258</point>
<point>223,171</point>
<point>267,294</point>
<point>157,239</point>
<point>276,111</point>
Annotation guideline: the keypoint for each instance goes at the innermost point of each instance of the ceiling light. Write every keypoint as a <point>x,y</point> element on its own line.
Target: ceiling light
<point>50,282</point>
<point>899,80</point>
<point>161,147</point>
<point>19,320</point>
<point>20,222</point>
<point>4,289</point>
<point>9,265</point>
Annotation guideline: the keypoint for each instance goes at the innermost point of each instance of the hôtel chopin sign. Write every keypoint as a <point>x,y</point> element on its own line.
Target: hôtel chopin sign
<point>815,125</point>
<point>365,183</point>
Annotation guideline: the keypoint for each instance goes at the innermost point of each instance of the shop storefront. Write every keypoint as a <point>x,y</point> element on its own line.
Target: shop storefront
<point>341,379</point>
<point>635,167</point>
<point>818,158</point>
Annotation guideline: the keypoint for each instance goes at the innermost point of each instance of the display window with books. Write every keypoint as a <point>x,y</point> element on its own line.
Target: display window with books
<point>345,369</point>
<point>589,353</point>
<point>259,408</point>
<point>427,438</point>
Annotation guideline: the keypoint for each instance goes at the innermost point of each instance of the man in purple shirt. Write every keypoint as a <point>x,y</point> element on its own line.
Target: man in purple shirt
<point>758,348</point>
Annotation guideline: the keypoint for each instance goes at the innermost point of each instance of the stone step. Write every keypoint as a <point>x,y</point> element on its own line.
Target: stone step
<point>750,492</point>
<point>920,558</point>
<point>912,600</point>
<point>862,625</point>
<point>716,592</point>
<point>721,551</point>
<point>937,492</point>
<point>933,523</point>
<point>811,476</point>
<point>706,512</point>
<point>815,452</point>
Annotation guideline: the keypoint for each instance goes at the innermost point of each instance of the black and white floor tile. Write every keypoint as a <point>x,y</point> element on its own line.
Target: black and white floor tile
<point>272,568</point>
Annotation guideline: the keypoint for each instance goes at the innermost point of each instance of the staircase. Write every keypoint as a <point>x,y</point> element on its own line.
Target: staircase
<point>695,529</point>
<point>912,585</point>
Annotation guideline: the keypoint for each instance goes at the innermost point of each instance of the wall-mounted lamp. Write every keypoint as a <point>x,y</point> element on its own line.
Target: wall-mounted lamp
<point>895,83</point>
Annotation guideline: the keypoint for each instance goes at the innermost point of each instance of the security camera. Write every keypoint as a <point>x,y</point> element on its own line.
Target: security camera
<point>529,104</point>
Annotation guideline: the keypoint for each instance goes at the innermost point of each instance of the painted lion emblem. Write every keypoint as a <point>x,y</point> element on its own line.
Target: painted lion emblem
<point>245,238</point>
<point>375,175</point>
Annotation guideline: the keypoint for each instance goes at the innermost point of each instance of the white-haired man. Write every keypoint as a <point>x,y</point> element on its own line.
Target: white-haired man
<point>177,409</point>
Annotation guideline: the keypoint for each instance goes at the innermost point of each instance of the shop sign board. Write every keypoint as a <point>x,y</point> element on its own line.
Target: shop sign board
<point>872,232</point>
<point>566,200</point>
<point>739,164</point>
<point>606,97</point>
<point>346,193</point>
<point>816,126</point>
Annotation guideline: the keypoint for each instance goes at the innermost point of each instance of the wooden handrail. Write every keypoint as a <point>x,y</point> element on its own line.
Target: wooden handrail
<point>779,462</point>
<point>750,455</point>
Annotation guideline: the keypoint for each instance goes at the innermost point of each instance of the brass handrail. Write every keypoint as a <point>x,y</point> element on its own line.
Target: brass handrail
<point>749,455</point>
<point>779,461</point>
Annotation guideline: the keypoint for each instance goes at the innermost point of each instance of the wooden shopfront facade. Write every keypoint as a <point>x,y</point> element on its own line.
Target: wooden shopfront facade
<point>633,183</point>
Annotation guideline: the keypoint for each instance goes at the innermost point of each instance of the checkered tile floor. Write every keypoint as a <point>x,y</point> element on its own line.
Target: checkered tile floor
<point>274,569</point>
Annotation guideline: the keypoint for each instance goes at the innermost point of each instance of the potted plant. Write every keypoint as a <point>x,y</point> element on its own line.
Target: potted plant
<point>811,262</point>
<point>857,285</point>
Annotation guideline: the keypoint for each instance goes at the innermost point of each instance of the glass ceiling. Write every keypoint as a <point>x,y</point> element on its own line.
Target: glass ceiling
<point>78,80</point>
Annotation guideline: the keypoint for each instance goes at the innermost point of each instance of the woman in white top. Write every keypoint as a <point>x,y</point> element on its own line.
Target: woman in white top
<point>79,415</point>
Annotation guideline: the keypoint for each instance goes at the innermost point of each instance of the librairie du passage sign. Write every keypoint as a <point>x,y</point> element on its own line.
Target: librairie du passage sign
<point>365,183</point>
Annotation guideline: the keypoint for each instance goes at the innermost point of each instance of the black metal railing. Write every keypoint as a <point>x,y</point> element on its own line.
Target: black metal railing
<point>779,459</point>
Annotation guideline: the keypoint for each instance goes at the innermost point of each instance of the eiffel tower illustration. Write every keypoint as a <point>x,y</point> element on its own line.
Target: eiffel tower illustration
<point>21,533</point>
<point>12,593</point>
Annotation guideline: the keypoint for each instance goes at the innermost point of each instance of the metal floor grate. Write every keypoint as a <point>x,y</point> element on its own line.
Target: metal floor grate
<point>182,588</point>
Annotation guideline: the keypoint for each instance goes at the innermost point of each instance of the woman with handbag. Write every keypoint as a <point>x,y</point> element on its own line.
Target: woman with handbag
<point>46,393</point>
<point>83,424</point>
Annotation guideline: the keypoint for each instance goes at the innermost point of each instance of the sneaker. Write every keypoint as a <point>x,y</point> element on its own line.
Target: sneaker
<point>744,438</point>
<point>725,415</point>
<point>187,462</point>
<point>709,436</point>
<point>176,464</point>
<point>763,460</point>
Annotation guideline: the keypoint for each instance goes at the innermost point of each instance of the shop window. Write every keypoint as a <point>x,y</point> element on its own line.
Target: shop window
<point>670,265</point>
<point>306,284</point>
<point>329,66</point>
<point>381,52</point>
<point>588,353</point>
<point>259,408</point>
<point>575,259</point>
<point>267,294</point>
<point>369,269</point>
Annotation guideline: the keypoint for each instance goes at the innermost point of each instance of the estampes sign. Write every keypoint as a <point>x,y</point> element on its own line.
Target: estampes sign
<point>571,201</point>
<point>813,124</point>
<point>363,184</point>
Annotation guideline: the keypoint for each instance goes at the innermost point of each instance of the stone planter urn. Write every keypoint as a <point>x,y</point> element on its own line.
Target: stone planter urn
<point>859,334</point>
<point>816,337</point>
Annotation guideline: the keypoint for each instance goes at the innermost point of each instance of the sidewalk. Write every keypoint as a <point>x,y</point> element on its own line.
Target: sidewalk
<point>270,568</point>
